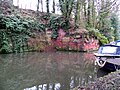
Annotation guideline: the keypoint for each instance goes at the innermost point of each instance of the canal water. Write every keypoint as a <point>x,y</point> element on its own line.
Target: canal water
<point>46,71</point>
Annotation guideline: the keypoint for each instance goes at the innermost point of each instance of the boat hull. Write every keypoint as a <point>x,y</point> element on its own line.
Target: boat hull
<point>108,66</point>
<point>111,67</point>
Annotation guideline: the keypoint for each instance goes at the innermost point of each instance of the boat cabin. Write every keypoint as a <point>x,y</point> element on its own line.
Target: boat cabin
<point>109,49</point>
<point>108,57</point>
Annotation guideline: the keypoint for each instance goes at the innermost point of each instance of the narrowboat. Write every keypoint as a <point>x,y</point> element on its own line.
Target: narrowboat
<point>108,57</point>
<point>117,43</point>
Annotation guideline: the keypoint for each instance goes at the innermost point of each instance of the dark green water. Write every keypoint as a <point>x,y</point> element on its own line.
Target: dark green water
<point>46,71</point>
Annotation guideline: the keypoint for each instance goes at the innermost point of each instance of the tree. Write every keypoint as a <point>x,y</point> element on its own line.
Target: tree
<point>38,5</point>
<point>66,7</point>
<point>105,10</point>
<point>89,13</point>
<point>47,6</point>
<point>93,13</point>
<point>41,5</point>
<point>104,13</point>
<point>53,6</point>
<point>115,24</point>
<point>77,12</point>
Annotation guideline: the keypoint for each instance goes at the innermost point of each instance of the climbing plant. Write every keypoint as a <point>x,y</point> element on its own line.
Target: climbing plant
<point>17,30</point>
<point>5,47</point>
<point>55,23</point>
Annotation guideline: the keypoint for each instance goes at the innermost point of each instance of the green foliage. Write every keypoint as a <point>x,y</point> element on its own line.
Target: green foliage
<point>115,25</point>
<point>103,40</point>
<point>5,46</point>
<point>107,29</point>
<point>55,23</point>
<point>6,6</point>
<point>18,30</point>
<point>46,16</point>
<point>37,26</point>
<point>66,7</point>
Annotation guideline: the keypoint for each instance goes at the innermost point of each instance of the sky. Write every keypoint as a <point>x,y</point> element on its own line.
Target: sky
<point>32,4</point>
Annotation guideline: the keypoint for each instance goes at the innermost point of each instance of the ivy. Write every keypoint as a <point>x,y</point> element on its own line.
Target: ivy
<point>36,26</point>
<point>55,23</point>
<point>16,30</point>
<point>5,47</point>
<point>46,16</point>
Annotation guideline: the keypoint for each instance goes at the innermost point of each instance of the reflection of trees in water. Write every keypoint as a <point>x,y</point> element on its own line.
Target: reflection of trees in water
<point>102,72</point>
<point>39,69</point>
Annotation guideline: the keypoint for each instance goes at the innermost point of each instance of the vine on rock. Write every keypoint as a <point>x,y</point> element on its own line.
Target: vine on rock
<point>14,32</point>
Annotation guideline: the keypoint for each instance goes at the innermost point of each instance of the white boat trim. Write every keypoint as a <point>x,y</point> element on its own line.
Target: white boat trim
<point>106,55</point>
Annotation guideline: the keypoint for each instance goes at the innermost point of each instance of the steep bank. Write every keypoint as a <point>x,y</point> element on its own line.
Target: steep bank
<point>108,82</point>
<point>27,30</point>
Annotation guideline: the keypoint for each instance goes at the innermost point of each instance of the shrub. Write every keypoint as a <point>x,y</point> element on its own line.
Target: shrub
<point>95,32</point>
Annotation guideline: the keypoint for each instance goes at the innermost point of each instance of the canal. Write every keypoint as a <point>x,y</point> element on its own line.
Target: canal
<point>46,71</point>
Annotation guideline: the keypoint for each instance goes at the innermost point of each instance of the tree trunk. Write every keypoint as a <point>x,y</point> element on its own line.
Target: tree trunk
<point>42,5</point>
<point>93,14</point>
<point>84,7</point>
<point>38,5</point>
<point>89,13</point>
<point>77,13</point>
<point>53,6</point>
<point>18,3</point>
<point>47,5</point>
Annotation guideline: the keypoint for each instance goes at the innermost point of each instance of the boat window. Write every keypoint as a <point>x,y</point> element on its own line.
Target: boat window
<point>118,51</point>
<point>110,50</point>
<point>118,43</point>
<point>112,43</point>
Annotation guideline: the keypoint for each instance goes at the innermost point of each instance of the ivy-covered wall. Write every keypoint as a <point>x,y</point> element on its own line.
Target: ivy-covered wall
<point>15,32</point>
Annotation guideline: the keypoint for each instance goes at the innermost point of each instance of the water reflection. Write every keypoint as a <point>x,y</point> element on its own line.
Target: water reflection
<point>46,71</point>
<point>56,86</point>
<point>102,72</point>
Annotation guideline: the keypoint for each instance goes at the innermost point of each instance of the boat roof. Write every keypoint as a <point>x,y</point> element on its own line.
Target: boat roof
<point>109,45</point>
<point>109,49</point>
<point>117,41</point>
